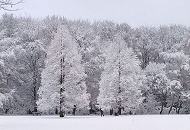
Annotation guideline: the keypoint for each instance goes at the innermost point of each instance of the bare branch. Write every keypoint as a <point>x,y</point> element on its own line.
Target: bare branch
<point>7,5</point>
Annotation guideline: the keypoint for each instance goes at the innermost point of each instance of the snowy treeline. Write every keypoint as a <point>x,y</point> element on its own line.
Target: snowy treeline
<point>55,64</point>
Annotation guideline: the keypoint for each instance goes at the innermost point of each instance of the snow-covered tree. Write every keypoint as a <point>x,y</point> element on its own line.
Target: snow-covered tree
<point>93,60</point>
<point>84,35</point>
<point>10,82</point>
<point>177,68</point>
<point>176,94</point>
<point>157,84</point>
<point>63,79</point>
<point>145,43</point>
<point>8,25</point>
<point>120,85</point>
<point>3,89</point>
<point>106,30</point>
<point>31,58</point>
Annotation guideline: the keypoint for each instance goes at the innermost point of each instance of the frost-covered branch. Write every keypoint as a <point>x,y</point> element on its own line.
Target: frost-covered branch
<point>8,5</point>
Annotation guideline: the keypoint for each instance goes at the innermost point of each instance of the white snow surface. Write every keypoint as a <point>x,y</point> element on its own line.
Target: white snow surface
<point>151,122</point>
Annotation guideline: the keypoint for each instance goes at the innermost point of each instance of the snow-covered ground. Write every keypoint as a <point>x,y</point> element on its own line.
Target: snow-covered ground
<point>152,122</point>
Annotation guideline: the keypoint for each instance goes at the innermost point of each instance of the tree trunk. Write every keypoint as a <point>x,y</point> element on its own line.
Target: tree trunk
<point>162,108</point>
<point>62,113</point>
<point>179,107</point>
<point>171,105</point>
<point>119,80</point>
<point>35,99</point>
<point>170,109</point>
<point>35,89</point>
<point>178,110</point>
<point>145,59</point>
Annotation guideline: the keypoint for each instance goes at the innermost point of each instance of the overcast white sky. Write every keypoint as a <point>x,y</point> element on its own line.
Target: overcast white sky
<point>133,12</point>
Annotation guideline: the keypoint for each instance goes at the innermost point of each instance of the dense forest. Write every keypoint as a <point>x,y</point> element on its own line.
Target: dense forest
<point>55,65</point>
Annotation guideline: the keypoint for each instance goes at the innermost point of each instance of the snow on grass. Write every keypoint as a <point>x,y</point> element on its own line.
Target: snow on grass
<point>152,122</point>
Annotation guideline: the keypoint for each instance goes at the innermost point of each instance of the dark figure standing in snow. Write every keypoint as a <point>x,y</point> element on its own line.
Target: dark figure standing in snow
<point>61,113</point>
<point>111,111</point>
<point>120,109</point>
<point>74,109</point>
<point>56,111</point>
<point>101,112</point>
<point>29,111</point>
<point>130,113</point>
<point>116,114</point>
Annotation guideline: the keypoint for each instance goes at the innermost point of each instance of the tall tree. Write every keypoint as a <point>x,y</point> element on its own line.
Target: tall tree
<point>32,60</point>
<point>121,80</point>
<point>63,79</point>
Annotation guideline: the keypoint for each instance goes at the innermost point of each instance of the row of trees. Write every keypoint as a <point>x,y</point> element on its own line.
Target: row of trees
<point>128,82</point>
<point>56,64</point>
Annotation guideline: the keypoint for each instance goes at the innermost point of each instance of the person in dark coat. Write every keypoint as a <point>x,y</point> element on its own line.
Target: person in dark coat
<point>116,114</point>
<point>120,109</point>
<point>74,110</point>
<point>101,112</point>
<point>111,111</point>
<point>130,113</point>
<point>56,111</point>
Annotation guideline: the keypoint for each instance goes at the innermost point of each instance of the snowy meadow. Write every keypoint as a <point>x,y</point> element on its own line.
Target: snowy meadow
<point>156,122</point>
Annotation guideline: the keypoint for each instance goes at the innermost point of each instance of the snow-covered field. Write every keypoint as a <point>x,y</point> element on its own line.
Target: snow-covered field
<point>152,122</point>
